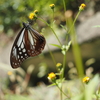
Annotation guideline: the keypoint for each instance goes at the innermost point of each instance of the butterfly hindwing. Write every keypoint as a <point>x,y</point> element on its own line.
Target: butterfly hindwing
<point>28,43</point>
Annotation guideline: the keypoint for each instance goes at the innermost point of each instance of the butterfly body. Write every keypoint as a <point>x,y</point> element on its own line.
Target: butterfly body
<point>28,43</point>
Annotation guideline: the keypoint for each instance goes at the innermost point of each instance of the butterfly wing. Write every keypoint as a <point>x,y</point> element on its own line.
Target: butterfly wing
<point>28,43</point>
<point>34,42</point>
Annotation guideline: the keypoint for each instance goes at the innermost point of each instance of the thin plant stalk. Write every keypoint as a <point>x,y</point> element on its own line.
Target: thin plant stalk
<point>64,5</point>
<point>61,90</point>
<point>52,30</point>
<point>74,22</point>
<point>53,14</point>
<point>62,75</point>
<point>52,56</point>
<point>64,61</point>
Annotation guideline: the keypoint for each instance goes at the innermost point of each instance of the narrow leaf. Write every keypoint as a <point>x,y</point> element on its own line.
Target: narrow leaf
<point>63,27</point>
<point>56,45</point>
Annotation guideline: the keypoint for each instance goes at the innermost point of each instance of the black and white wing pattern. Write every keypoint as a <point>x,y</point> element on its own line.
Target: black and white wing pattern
<point>28,43</point>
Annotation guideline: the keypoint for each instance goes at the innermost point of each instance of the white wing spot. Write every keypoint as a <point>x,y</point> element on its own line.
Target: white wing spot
<point>20,52</point>
<point>18,56</point>
<point>32,51</point>
<point>19,49</point>
<point>25,54</point>
<point>21,56</point>
<point>24,50</point>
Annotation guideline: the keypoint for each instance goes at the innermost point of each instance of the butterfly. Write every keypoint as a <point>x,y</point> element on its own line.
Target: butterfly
<point>28,43</point>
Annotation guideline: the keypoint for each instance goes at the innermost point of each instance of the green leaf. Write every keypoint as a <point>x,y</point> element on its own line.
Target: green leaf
<point>52,84</point>
<point>63,27</point>
<point>56,45</point>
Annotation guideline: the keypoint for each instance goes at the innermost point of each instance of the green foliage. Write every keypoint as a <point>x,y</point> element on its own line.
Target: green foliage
<point>12,13</point>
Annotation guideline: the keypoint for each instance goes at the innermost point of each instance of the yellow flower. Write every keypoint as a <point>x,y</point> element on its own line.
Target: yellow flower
<point>82,6</point>
<point>86,79</point>
<point>58,65</point>
<point>36,11</point>
<point>52,76</point>
<point>9,73</point>
<point>52,6</point>
<point>32,16</point>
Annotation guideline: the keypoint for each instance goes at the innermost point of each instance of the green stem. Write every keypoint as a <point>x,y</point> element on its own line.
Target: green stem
<point>74,22</point>
<point>62,74</point>
<point>61,90</point>
<point>64,60</point>
<point>64,5</point>
<point>64,63</point>
<point>51,55</point>
<point>51,29</point>
<point>53,14</point>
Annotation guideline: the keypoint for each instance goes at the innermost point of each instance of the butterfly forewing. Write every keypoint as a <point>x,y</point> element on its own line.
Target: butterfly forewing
<point>28,43</point>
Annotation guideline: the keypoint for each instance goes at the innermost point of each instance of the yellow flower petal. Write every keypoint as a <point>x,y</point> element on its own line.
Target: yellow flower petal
<point>32,16</point>
<point>51,76</point>
<point>82,6</point>
<point>36,11</point>
<point>52,6</point>
<point>58,65</point>
<point>86,79</point>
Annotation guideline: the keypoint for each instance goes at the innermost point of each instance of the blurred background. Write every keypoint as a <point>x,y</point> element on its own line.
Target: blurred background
<point>34,70</point>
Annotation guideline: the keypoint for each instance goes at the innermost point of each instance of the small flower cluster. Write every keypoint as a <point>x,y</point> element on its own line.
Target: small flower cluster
<point>52,76</point>
<point>33,15</point>
<point>59,66</point>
